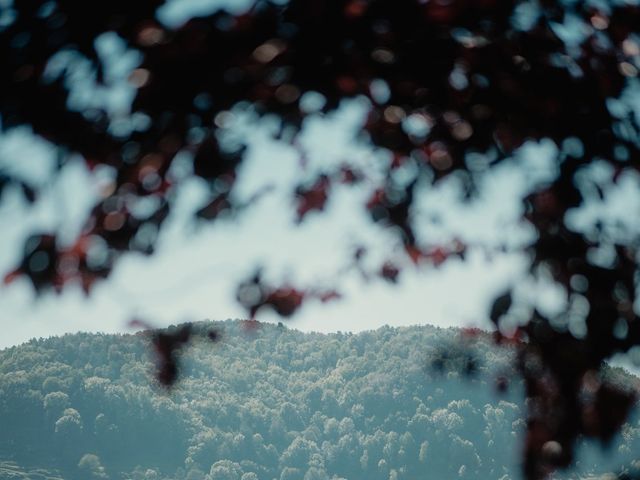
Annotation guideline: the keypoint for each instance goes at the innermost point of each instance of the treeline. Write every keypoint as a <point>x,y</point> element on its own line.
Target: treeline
<point>275,403</point>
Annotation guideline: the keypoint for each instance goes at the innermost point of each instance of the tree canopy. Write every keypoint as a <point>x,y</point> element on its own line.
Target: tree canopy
<point>279,405</point>
<point>454,88</point>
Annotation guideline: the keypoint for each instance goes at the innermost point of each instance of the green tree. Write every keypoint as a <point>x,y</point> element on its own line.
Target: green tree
<point>225,470</point>
<point>91,467</point>
<point>55,403</point>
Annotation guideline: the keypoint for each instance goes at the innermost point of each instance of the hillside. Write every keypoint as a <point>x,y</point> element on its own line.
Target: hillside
<point>273,404</point>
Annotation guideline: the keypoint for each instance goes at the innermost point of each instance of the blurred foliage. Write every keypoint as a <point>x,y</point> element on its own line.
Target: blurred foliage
<point>454,88</point>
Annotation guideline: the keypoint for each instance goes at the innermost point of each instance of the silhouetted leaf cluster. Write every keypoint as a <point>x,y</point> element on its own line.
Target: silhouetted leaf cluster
<point>167,346</point>
<point>446,80</point>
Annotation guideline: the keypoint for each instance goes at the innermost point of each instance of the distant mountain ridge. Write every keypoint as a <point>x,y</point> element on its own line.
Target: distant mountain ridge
<point>273,403</point>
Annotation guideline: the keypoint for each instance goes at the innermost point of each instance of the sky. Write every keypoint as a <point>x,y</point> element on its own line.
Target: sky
<point>194,274</point>
<point>195,271</point>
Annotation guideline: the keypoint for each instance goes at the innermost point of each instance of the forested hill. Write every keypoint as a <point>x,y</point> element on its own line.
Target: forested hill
<point>274,403</point>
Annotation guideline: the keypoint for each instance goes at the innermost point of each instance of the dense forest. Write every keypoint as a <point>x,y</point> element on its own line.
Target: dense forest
<point>273,403</point>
